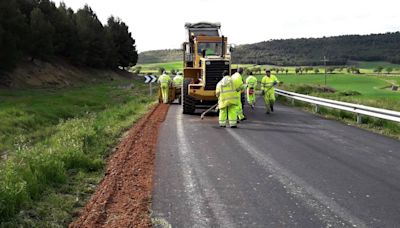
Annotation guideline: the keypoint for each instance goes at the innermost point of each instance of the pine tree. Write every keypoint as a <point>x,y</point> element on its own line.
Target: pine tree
<point>12,26</point>
<point>125,44</point>
<point>41,35</point>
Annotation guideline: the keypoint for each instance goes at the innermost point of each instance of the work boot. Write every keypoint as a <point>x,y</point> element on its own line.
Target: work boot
<point>233,126</point>
<point>222,126</point>
<point>267,112</point>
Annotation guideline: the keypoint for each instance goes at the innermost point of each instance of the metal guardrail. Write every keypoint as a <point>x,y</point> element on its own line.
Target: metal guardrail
<point>355,108</point>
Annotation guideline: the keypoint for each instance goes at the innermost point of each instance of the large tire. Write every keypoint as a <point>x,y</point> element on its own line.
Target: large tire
<point>189,103</point>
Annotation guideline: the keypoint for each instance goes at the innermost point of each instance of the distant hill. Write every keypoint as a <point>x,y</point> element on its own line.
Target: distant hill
<point>305,51</point>
<point>338,49</point>
<point>160,56</point>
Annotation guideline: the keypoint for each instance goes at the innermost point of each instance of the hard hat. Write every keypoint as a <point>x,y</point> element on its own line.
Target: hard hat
<point>267,70</point>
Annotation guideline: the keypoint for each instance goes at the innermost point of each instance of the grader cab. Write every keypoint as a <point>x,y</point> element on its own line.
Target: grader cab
<point>206,56</point>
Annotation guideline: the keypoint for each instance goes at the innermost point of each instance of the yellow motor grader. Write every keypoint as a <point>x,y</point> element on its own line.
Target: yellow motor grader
<point>206,56</point>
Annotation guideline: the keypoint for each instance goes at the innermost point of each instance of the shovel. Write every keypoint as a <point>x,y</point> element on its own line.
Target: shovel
<point>208,110</point>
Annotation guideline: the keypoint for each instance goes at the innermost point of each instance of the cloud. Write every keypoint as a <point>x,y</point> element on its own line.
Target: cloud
<point>159,24</point>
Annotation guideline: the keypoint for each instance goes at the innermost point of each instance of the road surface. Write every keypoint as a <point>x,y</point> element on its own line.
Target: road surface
<point>288,169</point>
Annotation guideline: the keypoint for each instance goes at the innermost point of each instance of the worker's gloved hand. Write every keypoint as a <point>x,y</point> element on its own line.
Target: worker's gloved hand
<point>275,83</point>
<point>238,90</point>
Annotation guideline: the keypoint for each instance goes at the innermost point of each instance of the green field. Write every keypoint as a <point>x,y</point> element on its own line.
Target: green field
<point>365,67</point>
<point>154,67</point>
<point>370,87</point>
<point>54,143</point>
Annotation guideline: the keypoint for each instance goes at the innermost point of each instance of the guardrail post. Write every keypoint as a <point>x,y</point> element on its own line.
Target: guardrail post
<point>293,101</point>
<point>317,110</point>
<point>359,118</point>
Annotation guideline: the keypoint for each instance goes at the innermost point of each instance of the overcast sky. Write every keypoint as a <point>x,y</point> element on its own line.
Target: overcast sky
<point>159,24</point>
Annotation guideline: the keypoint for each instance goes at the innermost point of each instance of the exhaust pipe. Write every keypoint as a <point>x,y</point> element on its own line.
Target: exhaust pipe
<point>223,46</point>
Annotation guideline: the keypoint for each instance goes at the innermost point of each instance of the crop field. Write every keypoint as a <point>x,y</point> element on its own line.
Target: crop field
<point>154,67</point>
<point>53,145</point>
<point>368,90</point>
<point>370,87</point>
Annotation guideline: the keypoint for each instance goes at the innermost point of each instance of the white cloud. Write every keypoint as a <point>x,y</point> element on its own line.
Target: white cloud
<point>159,24</point>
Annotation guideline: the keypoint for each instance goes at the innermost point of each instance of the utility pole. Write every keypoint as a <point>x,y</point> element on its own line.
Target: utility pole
<point>325,60</point>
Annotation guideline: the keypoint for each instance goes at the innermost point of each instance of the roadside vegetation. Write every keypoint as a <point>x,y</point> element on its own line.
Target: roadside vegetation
<point>54,143</point>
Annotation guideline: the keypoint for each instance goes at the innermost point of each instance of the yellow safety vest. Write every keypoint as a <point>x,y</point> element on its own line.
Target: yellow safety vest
<point>226,92</point>
<point>251,82</point>
<point>164,81</point>
<point>178,80</point>
<point>238,81</point>
<point>267,83</point>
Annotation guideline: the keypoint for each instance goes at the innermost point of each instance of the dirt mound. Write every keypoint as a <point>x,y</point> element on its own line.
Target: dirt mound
<point>122,198</point>
<point>56,73</point>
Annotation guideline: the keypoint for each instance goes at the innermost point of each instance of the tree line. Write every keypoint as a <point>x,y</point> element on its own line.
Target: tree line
<point>306,70</point>
<point>38,29</point>
<point>309,52</point>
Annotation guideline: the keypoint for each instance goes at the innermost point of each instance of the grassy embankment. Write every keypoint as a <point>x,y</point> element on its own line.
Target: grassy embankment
<point>54,143</point>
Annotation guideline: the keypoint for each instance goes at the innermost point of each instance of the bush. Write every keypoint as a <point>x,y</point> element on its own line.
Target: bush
<point>349,93</point>
<point>309,89</point>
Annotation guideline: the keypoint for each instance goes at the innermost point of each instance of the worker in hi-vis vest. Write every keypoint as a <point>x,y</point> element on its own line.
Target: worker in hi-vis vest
<point>251,84</point>
<point>178,80</point>
<point>165,81</point>
<point>268,83</point>
<point>227,101</point>
<point>238,81</point>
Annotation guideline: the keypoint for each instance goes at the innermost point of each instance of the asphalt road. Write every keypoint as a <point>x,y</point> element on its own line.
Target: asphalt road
<point>288,169</point>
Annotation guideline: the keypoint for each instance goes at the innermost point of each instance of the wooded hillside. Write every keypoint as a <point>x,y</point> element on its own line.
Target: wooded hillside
<point>338,49</point>
<point>38,29</point>
<point>310,51</point>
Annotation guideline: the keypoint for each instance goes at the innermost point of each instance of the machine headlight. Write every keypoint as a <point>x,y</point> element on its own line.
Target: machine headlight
<point>208,63</point>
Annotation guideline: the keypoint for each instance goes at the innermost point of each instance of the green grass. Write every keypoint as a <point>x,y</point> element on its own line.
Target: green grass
<point>57,142</point>
<point>371,87</point>
<point>153,67</point>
